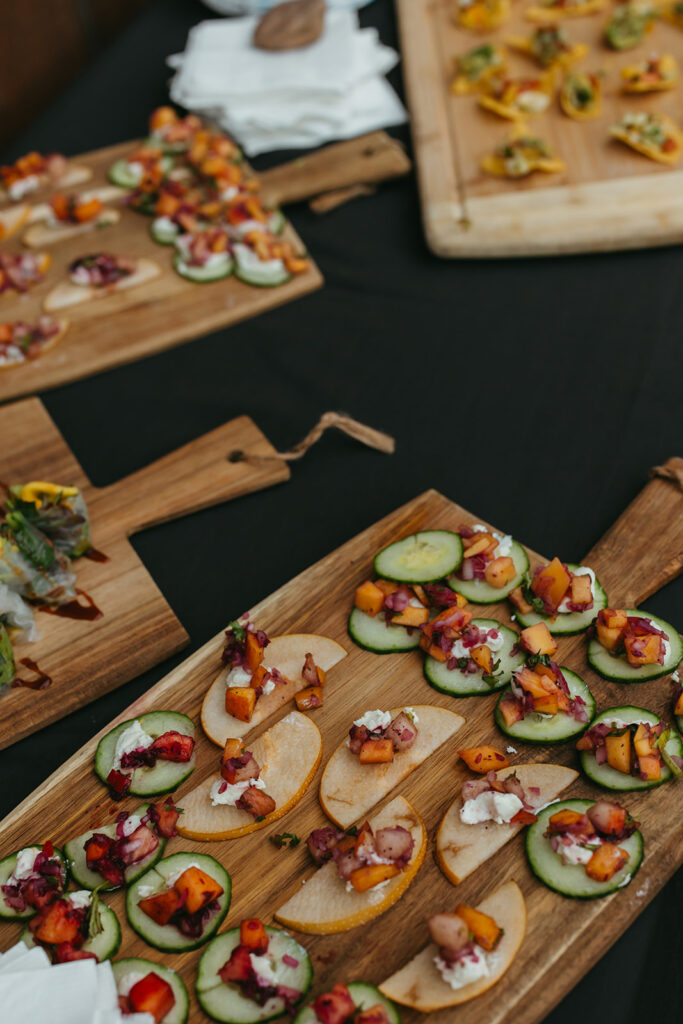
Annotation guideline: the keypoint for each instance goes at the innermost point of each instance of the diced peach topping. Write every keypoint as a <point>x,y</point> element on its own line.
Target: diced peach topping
<point>619,751</point>
<point>500,571</point>
<point>537,640</point>
<point>371,875</point>
<point>483,759</point>
<point>484,929</point>
<point>605,862</point>
<point>240,702</point>
<point>376,752</point>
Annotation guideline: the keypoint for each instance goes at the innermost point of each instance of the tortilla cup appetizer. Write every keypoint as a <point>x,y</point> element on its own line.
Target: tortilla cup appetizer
<point>656,74</point>
<point>421,984</point>
<point>520,155</point>
<point>98,276</point>
<point>326,904</point>
<point>472,69</point>
<point>286,759</point>
<point>549,47</point>
<point>558,10</point>
<point>516,98</point>
<point>350,787</point>
<point>462,847</point>
<point>286,654</point>
<point>654,135</point>
<point>581,95</point>
<point>629,24</point>
<point>481,15</point>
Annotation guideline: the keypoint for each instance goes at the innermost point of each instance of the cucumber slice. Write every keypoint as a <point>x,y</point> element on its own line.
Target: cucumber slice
<point>225,1002</point>
<point>536,728</point>
<point>203,275</point>
<point>609,778</point>
<point>165,776</point>
<point>568,623</point>
<point>7,866</point>
<point>164,231</point>
<point>136,965</point>
<point>616,668</point>
<point>104,946</point>
<point>260,273</point>
<point>276,222</point>
<point>88,879</point>
<point>459,684</point>
<point>120,172</point>
<point>423,557</point>
<point>375,634</point>
<point>364,996</point>
<point>571,879</point>
<point>167,938</point>
<point>481,592</point>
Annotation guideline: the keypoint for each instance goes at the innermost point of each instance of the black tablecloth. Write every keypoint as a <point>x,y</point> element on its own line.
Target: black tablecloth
<point>537,394</point>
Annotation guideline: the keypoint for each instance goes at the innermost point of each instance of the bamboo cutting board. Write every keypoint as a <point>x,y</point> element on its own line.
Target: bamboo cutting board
<point>130,325</point>
<point>609,197</point>
<point>564,937</point>
<point>138,629</point>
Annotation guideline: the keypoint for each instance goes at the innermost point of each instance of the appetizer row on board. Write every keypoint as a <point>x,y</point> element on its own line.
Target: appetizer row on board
<point>483,71</point>
<point>365,860</point>
<point>194,184</point>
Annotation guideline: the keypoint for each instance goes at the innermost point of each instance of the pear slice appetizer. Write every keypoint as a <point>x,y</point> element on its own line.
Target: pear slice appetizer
<point>39,235</point>
<point>419,984</point>
<point>13,219</point>
<point>63,325</point>
<point>323,905</point>
<point>76,174</point>
<point>289,754</point>
<point>68,294</point>
<point>461,848</point>
<point>287,654</point>
<point>348,789</point>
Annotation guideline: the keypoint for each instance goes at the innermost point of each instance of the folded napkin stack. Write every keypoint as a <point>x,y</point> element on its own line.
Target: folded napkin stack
<point>333,89</point>
<point>33,991</point>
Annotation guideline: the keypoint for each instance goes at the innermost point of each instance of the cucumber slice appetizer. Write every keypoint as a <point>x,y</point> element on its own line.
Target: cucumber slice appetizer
<point>364,996</point>
<point>460,684</point>
<point>423,557</point>
<point>609,778</point>
<point>136,965</point>
<point>167,937</point>
<point>481,592</point>
<point>255,271</point>
<point>616,668</point>
<point>568,623</point>
<point>571,879</point>
<point>376,634</point>
<point>7,866</point>
<point>225,1002</point>
<point>276,222</point>
<point>164,231</point>
<point>104,946</point>
<point>120,172</point>
<point>87,879</point>
<point>215,271</point>
<point>537,728</point>
<point>165,776</point>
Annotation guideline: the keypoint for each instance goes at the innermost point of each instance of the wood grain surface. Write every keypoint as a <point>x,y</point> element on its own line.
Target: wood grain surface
<point>564,937</point>
<point>608,197</point>
<point>138,628</point>
<point>130,325</point>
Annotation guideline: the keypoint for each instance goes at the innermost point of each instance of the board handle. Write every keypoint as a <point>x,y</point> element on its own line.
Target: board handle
<point>202,473</point>
<point>647,539</point>
<point>362,161</point>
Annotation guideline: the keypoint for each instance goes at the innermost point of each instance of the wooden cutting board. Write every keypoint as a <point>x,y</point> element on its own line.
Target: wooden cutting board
<point>138,629</point>
<point>638,555</point>
<point>609,197</point>
<point>130,325</point>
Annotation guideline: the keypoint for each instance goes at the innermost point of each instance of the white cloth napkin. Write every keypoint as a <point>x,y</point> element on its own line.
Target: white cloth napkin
<point>330,90</point>
<point>33,991</point>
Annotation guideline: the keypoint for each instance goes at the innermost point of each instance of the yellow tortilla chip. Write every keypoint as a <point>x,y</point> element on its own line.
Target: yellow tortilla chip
<point>654,75</point>
<point>546,14</point>
<point>632,136</point>
<point>481,15</point>
<point>572,82</point>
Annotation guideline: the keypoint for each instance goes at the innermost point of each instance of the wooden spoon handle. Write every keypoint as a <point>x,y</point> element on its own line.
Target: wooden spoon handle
<point>369,158</point>
<point>644,549</point>
<point>196,476</point>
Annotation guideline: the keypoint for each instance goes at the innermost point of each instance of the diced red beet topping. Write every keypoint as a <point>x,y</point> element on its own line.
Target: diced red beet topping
<point>39,889</point>
<point>238,970</point>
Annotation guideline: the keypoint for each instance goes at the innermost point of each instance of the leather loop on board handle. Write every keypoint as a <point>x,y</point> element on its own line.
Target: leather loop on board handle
<point>361,161</point>
<point>359,431</point>
<point>647,537</point>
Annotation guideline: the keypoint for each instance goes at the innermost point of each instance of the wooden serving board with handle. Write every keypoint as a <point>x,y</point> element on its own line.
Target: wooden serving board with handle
<point>564,937</point>
<point>130,325</point>
<point>608,197</point>
<point>138,629</point>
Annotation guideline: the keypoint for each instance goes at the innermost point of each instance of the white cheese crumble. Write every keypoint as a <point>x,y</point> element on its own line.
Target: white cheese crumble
<point>126,982</point>
<point>490,806</point>
<point>22,186</point>
<point>533,100</point>
<point>464,971</point>
<point>81,898</point>
<point>505,541</point>
<point>130,739</point>
<point>618,723</point>
<point>511,750</point>
<point>249,260</point>
<point>26,858</point>
<point>165,226</point>
<point>175,875</point>
<point>374,720</point>
<point>675,676</point>
<point>267,688</point>
<point>264,969</point>
<point>145,890</point>
<point>410,712</point>
<point>232,793</point>
<point>238,676</point>
<point>136,171</point>
<point>574,852</point>
<point>582,570</point>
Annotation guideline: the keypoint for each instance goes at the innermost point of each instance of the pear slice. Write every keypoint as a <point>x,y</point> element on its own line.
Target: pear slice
<point>69,294</point>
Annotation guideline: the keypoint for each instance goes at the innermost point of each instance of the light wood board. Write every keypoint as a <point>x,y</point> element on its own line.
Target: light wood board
<point>138,629</point>
<point>130,325</point>
<point>564,937</point>
<point>609,197</point>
